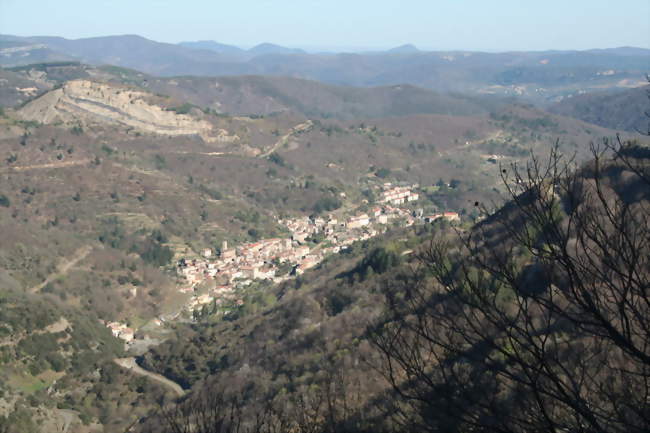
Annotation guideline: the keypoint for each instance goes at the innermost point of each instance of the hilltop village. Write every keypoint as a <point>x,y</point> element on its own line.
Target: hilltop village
<point>311,240</point>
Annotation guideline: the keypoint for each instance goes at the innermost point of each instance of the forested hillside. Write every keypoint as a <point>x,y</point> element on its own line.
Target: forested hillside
<point>624,110</point>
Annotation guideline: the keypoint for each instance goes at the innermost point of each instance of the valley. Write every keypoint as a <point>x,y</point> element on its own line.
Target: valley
<point>233,232</point>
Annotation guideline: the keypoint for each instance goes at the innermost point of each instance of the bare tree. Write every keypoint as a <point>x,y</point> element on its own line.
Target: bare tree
<point>539,318</point>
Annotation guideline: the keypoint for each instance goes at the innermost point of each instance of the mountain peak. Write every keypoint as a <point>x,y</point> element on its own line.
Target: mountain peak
<point>403,49</point>
<point>212,46</point>
<point>268,48</point>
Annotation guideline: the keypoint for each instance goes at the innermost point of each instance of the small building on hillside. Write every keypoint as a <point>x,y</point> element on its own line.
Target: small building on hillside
<point>358,221</point>
<point>449,216</point>
<point>228,255</point>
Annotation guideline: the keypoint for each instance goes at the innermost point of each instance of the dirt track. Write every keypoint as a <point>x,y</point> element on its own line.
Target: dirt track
<point>64,267</point>
<point>298,128</point>
<point>61,164</point>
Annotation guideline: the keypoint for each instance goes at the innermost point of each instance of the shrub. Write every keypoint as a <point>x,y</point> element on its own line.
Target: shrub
<point>327,204</point>
<point>382,173</point>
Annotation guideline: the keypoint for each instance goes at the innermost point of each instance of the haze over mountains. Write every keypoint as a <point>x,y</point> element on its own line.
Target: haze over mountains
<point>539,76</point>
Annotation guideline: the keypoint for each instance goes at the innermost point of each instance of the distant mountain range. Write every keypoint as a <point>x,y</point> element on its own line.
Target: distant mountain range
<point>268,48</point>
<point>544,77</point>
<point>258,50</point>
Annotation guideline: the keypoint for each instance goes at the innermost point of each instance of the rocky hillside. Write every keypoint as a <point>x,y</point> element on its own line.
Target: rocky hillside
<point>83,101</point>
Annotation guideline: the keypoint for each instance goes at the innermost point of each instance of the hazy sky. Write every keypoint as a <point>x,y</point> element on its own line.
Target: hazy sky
<point>491,25</point>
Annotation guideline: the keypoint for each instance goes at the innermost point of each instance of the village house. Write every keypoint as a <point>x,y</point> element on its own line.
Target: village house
<point>128,334</point>
<point>228,255</point>
<point>449,216</point>
<point>301,251</point>
<point>222,290</point>
<point>358,221</point>
<point>308,262</point>
<point>397,195</point>
<point>120,330</point>
<point>204,299</point>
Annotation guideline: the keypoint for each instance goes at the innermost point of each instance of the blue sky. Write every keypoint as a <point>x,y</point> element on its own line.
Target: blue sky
<point>489,25</point>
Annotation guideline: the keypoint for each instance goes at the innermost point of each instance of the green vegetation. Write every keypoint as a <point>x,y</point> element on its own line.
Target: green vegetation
<point>150,247</point>
<point>211,192</point>
<point>327,204</point>
<point>160,162</point>
<point>377,261</point>
<point>185,108</point>
<point>107,149</point>
<point>382,173</point>
<point>155,253</point>
<point>277,159</point>
<point>46,345</point>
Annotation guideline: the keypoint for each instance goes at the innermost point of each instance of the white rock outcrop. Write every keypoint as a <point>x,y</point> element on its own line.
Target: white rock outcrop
<point>93,102</point>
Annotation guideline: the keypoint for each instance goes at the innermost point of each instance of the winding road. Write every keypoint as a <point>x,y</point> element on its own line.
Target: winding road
<point>130,364</point>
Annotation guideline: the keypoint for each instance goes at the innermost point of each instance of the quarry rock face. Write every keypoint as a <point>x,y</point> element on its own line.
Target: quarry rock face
<point>94,102</point>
